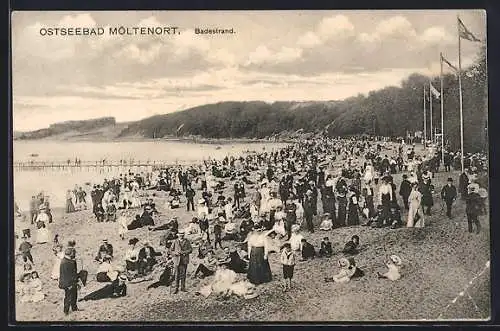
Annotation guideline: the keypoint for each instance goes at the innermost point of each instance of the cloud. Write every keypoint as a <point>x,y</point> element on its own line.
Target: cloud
<point>399,29</point>
<point>302,57</point>
<point>436,35</point>
<point>143,55</point>
<point>262,55</point>
<point>336,45</point>
<point>334,28</point>
<point>338,26</point>
<point>52,48</point>
<point>395,27</point>
<point>309,39</point>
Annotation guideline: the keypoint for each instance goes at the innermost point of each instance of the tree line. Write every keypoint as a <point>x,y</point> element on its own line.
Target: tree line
<point>391,111</point>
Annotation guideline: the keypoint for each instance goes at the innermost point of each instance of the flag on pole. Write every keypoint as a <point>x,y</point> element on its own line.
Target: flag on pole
<point>434,92</point>
<point>448,63</point>
<point>465,33</point>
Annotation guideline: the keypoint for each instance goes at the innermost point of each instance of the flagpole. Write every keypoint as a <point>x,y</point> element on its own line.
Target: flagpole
<point>425,123</point>
<point>430,112</point>
<point>460,97</point>
<point>442,109</point>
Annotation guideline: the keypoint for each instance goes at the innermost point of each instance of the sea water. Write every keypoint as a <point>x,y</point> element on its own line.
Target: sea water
<point>55,182</point>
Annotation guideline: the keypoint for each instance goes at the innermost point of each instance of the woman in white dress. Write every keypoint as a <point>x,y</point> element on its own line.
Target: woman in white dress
<point>123,222</point>
<point>134,196</point>
<point>414,201</point>
<point>369,172</point>
<point>42,235</point>
<point>254,212</point>
<point>299,212</point>
<point>59,254</point>
<point>264,200</point>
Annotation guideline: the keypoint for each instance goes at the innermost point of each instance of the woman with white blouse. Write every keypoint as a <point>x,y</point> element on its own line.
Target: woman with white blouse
<point>259,270</point>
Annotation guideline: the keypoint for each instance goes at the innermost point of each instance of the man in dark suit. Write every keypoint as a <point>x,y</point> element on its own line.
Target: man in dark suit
<point>190,193</point>
<point>473,208</point>
<point>309,210</point>
<point>449,195</point>
<point>68,279</point>
<point>405,190</point>
<point>180,250</point>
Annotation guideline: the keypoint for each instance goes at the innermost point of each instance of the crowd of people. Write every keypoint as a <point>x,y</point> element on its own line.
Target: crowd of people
<point>275,199</point>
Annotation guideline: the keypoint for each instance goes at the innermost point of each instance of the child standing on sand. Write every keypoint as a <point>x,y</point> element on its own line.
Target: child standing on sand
<point>288,262</point>
<point>25,249</point>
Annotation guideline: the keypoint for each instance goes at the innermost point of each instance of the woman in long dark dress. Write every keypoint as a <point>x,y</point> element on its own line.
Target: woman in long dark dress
<point>352,213</point>
<point>342,209</point>
<point>70,207</point>
<point>385,198</point>
<point>259,270</point>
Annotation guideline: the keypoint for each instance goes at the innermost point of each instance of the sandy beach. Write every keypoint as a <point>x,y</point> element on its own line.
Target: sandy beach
<point>439,261</point>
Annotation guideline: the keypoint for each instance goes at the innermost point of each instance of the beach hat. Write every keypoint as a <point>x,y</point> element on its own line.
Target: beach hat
<point>343,263</point>
<point>181,232</point>
<point>201,201</point>
<point>122,277</point>
<point>396,260</point>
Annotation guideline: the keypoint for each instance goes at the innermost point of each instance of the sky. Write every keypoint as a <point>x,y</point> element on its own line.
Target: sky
<point>272,56</point>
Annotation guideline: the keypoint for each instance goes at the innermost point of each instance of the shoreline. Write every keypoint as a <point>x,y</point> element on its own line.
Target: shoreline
<point>193,140</point>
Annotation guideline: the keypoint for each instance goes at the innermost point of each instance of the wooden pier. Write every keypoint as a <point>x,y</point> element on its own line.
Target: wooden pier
<point>99,166</point>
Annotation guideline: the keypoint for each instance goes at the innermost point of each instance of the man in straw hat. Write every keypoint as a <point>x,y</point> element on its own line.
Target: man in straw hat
<point>181,249</point>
